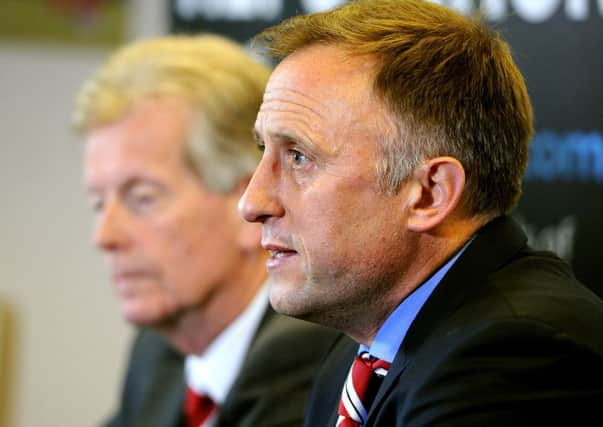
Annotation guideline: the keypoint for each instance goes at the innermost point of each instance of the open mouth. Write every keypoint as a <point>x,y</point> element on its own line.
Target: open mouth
<point>279,255</point>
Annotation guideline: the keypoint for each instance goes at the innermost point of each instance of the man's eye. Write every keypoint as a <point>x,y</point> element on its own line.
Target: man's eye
<point>298,158</point>
<point>97,204</point>
<point>141,199</point>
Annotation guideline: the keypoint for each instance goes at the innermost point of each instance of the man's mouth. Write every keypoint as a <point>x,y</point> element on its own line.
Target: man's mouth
<point>278,254</point>
<point>281,253</point>
<point>128,275</point>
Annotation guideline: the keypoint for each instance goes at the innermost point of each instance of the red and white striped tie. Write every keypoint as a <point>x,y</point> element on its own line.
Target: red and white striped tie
<point>197,408</point>
<point>361,386</point>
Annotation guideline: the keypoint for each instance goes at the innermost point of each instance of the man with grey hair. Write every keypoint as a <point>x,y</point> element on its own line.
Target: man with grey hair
<point>169,150</point>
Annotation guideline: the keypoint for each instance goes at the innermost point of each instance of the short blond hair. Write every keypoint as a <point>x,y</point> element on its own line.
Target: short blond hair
<point>214,75</point>
<point>450,85</point>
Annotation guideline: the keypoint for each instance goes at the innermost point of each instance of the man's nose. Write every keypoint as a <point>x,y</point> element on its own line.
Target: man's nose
<point>110,228</point>
<point>261,198</point>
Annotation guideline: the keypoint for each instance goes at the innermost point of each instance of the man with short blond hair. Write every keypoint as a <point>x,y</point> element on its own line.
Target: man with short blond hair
<point>395,136</point>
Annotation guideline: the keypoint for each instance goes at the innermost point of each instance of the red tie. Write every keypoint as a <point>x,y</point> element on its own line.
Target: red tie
<point>361,386</point>
<point>197,408</point>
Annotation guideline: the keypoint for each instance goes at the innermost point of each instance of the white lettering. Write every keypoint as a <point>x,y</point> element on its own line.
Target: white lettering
<point>494,10</point>
<point>463,6</point>
<point>534,11</point>
<point>230,10</point>
<point>311,6</point>
<point>557,238</point>
<point>579,9</point>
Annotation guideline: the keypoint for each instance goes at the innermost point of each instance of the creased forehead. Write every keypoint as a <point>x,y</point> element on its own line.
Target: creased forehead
<point>337,73</point>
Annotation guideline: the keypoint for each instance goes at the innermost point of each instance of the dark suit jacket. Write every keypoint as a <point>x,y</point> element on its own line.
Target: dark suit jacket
<point>270,390</point>
<point>508,338</point>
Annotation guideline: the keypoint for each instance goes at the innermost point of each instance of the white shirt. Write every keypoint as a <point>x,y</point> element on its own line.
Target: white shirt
<point>215,371</point>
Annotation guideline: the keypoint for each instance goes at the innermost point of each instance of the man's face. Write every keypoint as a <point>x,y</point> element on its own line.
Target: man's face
<point>337,242</point>
<point>170,244</point>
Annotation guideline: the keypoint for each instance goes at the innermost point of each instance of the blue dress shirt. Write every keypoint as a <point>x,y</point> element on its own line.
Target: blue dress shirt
<point>394,329</point>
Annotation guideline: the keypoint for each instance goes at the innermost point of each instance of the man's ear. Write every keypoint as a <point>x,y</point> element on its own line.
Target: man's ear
<point>436,189</point>
<point>250,233</point>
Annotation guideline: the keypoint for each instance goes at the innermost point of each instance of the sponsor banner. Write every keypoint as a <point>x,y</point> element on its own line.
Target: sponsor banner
<point>558,45</point>
<point>240,19</point>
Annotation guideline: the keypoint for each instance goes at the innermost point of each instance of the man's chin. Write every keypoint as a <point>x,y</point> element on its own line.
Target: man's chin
<point>143,317</point>
<point>303,302</point>
<point>287,299</point>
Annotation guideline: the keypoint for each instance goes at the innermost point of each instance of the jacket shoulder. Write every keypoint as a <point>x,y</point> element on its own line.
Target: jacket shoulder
<point>277,374</point>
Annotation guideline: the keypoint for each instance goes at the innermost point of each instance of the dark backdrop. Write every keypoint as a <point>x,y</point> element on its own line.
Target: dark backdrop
<point>558,45</point>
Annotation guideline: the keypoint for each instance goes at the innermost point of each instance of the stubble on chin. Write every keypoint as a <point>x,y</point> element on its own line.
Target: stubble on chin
<point>289,299</point>
<point>302,301</point>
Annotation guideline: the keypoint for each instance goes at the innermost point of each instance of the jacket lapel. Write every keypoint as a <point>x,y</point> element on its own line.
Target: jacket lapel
<point>248,368</point>
<point>164,397</point>
<point>494,245</point>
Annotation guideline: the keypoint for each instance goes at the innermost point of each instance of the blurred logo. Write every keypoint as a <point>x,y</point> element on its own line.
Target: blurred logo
<point>558,238</point>
<point>573,156</point>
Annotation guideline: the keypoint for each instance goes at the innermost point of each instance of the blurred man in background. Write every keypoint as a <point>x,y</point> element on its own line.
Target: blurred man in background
<point>169,150</point>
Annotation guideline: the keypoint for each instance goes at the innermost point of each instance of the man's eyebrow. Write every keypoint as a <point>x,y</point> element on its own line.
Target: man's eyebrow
<point>288,137</point>
<point>285,136</point>
<point>280,136</point>
<point>257,138</point>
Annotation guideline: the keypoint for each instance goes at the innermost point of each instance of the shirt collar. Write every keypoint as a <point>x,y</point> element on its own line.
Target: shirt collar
<point>214,372</point>
<point>391,334</point>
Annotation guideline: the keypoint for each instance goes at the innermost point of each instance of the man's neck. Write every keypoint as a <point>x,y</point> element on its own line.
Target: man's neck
<point>430,252</point>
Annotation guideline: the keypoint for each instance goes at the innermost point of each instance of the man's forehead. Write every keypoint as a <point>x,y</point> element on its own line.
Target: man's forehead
<point>317,77</point>
<point>289,99</point>
<point>319,63</point>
